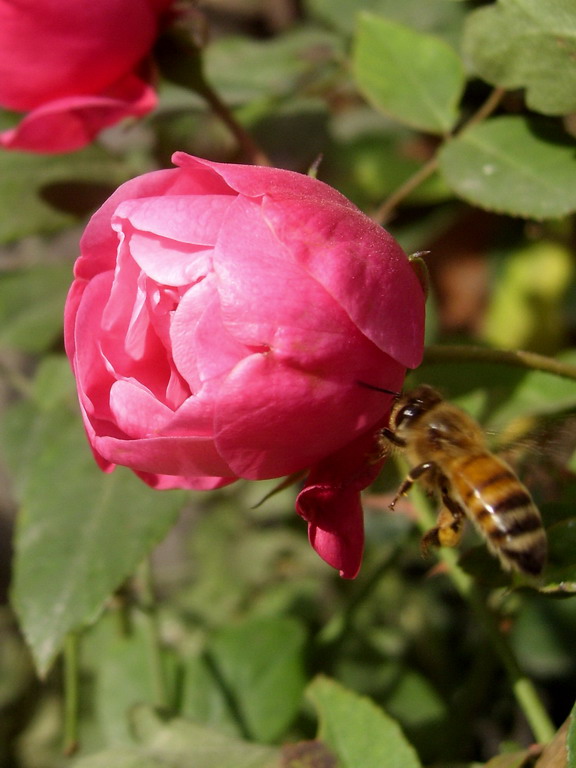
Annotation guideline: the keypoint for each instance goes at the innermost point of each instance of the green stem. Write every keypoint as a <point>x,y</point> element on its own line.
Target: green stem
<point>518,358</point>
<point>71,693</point>
<point>523,688</point>
<point>147,603</point>
<point>247,144</point>
<point>383,214</point>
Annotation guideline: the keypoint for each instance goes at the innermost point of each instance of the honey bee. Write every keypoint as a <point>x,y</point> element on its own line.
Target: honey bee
<point>448,453</point>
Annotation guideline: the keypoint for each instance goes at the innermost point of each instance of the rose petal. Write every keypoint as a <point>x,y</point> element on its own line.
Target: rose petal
<point>272,419</point>
<point>330,501</point>
<point>190,219</point>
<point>52,49</point>
<point>335,525</point>
<point>187,457</point>
<point>257,181</point>
<point>69,124</point>
<point>202,348</point>
<point>366,269</point>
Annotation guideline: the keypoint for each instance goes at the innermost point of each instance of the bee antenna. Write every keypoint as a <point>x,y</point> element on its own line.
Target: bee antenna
<point>378,389</point>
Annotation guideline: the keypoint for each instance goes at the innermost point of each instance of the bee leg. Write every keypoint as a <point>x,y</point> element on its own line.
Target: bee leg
<point>414,474</point>
<point>449,525</point>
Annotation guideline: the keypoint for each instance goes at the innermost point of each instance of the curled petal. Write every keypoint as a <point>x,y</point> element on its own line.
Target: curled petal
<point>330,503</point>
<point>335,525</point>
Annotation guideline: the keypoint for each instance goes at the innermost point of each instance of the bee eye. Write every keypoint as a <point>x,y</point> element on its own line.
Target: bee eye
<point>406,414</point>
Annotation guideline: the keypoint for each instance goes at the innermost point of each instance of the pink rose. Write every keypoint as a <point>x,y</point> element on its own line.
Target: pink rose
<point>74,68</point>
<point>220,320</point>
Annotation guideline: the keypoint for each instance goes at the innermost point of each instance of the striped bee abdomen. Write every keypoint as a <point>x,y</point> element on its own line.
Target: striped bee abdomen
<point>502,510</point>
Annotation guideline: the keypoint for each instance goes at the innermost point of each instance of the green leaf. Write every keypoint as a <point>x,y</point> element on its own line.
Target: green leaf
<point>204,699</point>
<point>31,302</point>
<point>261,664</point>
<point>442,17</point>
<point>513,166</point>
<point>270,69</point>
<point>44,193</point>
<point>79,533</point>
<point>181,744</point>
<point>411,76</point>
<point>357,731</point>
<point>121,672</point>
<point>527,44</point>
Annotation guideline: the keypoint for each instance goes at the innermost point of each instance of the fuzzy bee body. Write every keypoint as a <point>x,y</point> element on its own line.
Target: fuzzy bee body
<point>447,451</point>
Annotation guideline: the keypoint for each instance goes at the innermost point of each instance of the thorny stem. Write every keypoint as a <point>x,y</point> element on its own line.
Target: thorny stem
<point>522,687</point>
<point>518,358</point>
<point>71,693</point>
<point>384,212</point>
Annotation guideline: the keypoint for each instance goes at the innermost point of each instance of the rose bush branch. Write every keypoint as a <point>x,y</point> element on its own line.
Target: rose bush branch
<point>533,361</point>
<point>179,56</point>
<point>385,211</point>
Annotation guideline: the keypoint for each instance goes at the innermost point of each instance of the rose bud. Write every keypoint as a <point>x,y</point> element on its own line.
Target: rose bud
<point>220,321</point>
<point>74,68</point>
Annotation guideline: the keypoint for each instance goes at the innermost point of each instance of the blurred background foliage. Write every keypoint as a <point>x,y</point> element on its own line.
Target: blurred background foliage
<point>204,658</point>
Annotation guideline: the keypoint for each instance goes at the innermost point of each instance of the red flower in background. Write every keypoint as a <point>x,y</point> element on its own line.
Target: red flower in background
<point>219,322</point>
<point>74,68</point>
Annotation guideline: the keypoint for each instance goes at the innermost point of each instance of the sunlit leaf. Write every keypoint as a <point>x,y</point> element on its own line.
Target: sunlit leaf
<point>80,532</point>
<point>527,44</point>
<point>357,731</point>
<point>514,166</point>
<point>411,76</point>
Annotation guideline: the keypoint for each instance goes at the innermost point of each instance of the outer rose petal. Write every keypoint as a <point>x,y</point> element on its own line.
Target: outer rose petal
<point>71,123</point>
<point>304,214</point>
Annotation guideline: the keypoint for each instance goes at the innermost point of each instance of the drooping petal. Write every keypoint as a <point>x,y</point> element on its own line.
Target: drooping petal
<point>335,525</point>
<point>330,502</point>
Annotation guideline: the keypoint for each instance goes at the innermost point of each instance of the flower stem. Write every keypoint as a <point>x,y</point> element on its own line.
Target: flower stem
<point>383,214</point>
<point>518,358</point>
<point>522,687</point>
<point>247,144</point>
<point>71,693</point>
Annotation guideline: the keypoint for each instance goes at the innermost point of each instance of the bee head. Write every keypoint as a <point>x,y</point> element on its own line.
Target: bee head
<point>413,404</point>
